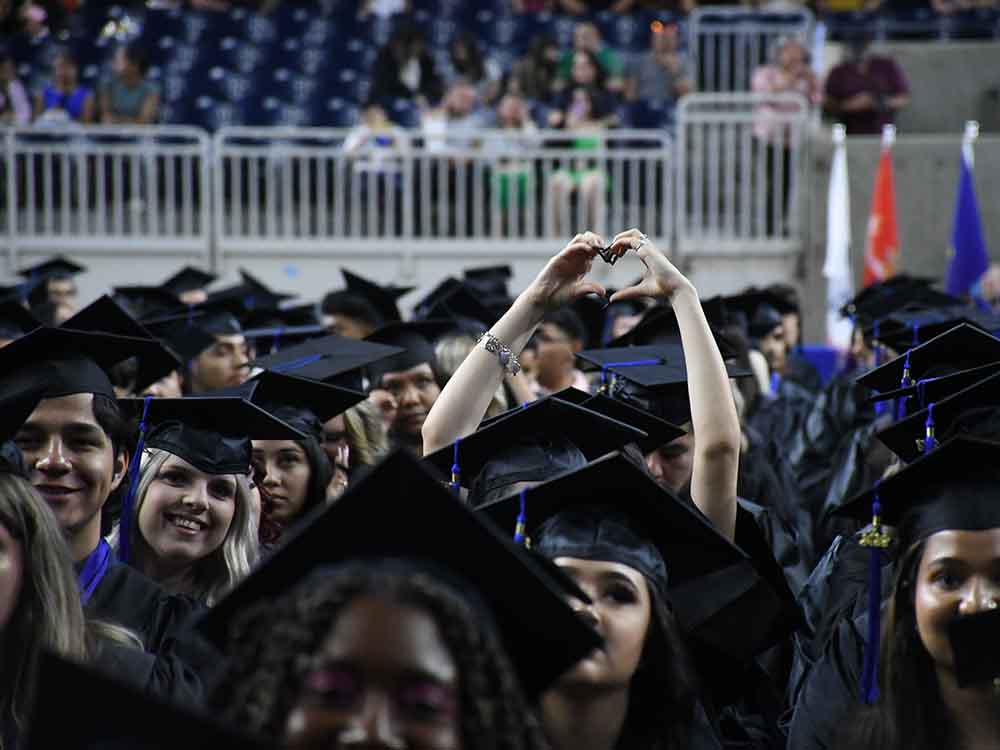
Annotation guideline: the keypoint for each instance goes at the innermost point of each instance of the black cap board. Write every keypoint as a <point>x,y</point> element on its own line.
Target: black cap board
<point>78,707</point>
<point>895,293</point>
<point>184,334</point>
<point>384,298</point>
<point>146,301</point>
<point>658,431</point>
<point>906,438</point>
<point>932,390</point>
<point>188,279</point>
<point>953,487</point>
<point>327,357</point>
<point>73,361</point>
<point>401,511</point>
<point>458,301</point>
<point>212,433</point>
<point>659,325</point>
<point>959,348</point>
<point>16,320</point>
<point>104,315</point>
<point>54,268</point>
<point>976,648</point>
<point>906,329</point>
<point>416,338</point>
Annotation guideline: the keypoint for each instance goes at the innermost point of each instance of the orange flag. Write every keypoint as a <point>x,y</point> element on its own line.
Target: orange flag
<point>882,244</point>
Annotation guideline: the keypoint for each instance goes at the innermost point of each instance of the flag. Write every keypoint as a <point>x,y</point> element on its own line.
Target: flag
<point>969,259</point>
<point>837,267</point>
<point>882,245</point>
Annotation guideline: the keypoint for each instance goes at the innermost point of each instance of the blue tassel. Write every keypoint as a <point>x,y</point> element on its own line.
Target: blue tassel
<point>456,472</point>
<point>877,541</point>
<point>905,382</point>
<point>633,363</point>
<point>930,443</point>
<point>125,520</point>
<point>520,535</point>
<point>297,364</point>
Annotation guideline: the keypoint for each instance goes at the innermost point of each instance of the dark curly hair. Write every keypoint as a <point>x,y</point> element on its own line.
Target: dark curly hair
<point>271,645</point>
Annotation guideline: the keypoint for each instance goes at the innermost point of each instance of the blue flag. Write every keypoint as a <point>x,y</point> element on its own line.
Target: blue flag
<point>969,259</point>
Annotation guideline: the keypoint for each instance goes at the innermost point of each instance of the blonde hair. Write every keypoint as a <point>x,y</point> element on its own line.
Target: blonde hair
<point>218,572</point>
<point>451,351</point>
<point>365,434</point>
<point>48,614</point>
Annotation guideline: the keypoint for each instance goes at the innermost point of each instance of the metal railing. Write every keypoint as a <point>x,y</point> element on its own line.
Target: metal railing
<point>301,188</point>
<point>107,188</point>
<point>739,170</point>
<point>727,44</point>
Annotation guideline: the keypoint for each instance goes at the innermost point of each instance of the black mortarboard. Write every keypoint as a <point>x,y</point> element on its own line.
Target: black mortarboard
<point>907,438</point>
<point>15,320</point>
<point>182,333</point>
<point>908,328</point>
<point>211,433</point>
<point>658,431</point>
<point>72,361</point>
<point>893,294</point>
<point>54,268</point>
<point>273,339</point>
<point>758,311</point>
<point>953,487</point>
<point>326,358</point>
<point>24,292</point>
<point>612,510</point>
<point>490,280</point>
<point>416,338</point>
<point>534,443</point>
<point>457,301</point>
<point>303,403</point>
<point>104,315</point>
<point>292,315</point>
<point>959,348</point>
<point>188,279</point>
<point>976,648</point>
<point>652,378</point>
<point>659,325</point>
<point>383,298</point>
<point>934,389</point>
<point>71,709</point>
<point>259,293</point>
<point>401,511</point>
<point>147,301</point>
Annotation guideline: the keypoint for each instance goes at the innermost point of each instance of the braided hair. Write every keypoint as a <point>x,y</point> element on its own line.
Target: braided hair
<point>271,646</point>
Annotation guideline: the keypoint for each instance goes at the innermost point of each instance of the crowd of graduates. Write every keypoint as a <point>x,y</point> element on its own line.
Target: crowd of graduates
<point>576,518</point>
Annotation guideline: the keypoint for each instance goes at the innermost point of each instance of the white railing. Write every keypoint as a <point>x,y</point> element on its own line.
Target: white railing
<point>726,43</point>
<point>107,188</point>
<point>739,167</point>
<point>300,188</point>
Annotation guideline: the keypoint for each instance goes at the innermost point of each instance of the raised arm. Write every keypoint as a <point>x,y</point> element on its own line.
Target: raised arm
<point>714,419</point>
<point>463,402</point>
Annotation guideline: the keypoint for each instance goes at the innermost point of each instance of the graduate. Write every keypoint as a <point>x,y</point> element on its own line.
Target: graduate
<point>410,633</point>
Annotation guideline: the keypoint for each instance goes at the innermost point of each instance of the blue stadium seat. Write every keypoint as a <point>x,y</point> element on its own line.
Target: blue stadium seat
<point>978,23</point>
<point>403,112</point>
<point>336,113</point>
<point>647,115</point>
<point>916,23</point>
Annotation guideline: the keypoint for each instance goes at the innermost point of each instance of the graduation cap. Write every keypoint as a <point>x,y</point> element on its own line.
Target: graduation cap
<point>104,315</point>
<point>894,294</point>
<point>304,403</point>
<point>326,358</point>
<point>188,279</point>
<point>934,389</point>
<point>187,335</point>
<point>415,337</point>
<point>401,511</point>
<point>759,311</point>
<point>457,301</point>
<point>612,510</point>
<point>490,280</point>
<point>918,433</point>
<point>259,294</point>
<point>541,439</point>
<point>54,268</point>
<point>15,320</point>
<point>960,348</point>
<point>908,328</point>
<point>976,648</point>
<point>147,301</point>
<point>384,298</point>
<point>79,707</point>
<point>658,431</point>
<point>659,325</point>
<point>71,361</point>
<point>652,378</point>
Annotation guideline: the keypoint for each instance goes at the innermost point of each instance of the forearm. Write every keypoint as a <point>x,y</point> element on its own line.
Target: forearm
<point>464,400</point>
<point>713,415</point>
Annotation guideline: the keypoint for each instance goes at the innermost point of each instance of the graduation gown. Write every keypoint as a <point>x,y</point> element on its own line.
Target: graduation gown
<point>128,598</point>
<point>802,372</point>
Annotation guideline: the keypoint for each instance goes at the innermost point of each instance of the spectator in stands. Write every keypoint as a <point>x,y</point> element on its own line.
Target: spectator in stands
<point>376,142</point>
<point>583,116</point>
<point>588,75</point>
<point>787,73</point>
<point>128,98</point>
<point>512,175</point>
<point>405,69</point>
<point>469,64</point>
<point>65,99</point>
<point>661,75</point>
<point>15,106</point>
<point>459,113</point>
<point>587,39</point>
<point>383,8</point>
<point>535,74</point>
<point>865,91</point>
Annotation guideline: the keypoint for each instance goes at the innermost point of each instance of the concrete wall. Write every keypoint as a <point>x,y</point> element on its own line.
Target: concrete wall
<point>926,173</point>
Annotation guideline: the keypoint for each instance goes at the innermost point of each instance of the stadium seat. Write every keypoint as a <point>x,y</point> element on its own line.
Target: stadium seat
<point>337,113</point>
<point>403,112</point>
<point>977,23</point>
<point>647,115</point>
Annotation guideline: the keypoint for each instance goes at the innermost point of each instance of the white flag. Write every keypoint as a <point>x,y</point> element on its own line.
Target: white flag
<point>837,268</point>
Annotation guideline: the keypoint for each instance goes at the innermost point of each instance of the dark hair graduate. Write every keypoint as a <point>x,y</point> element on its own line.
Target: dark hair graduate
<point>270,645</point>
<point>910,712</point>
